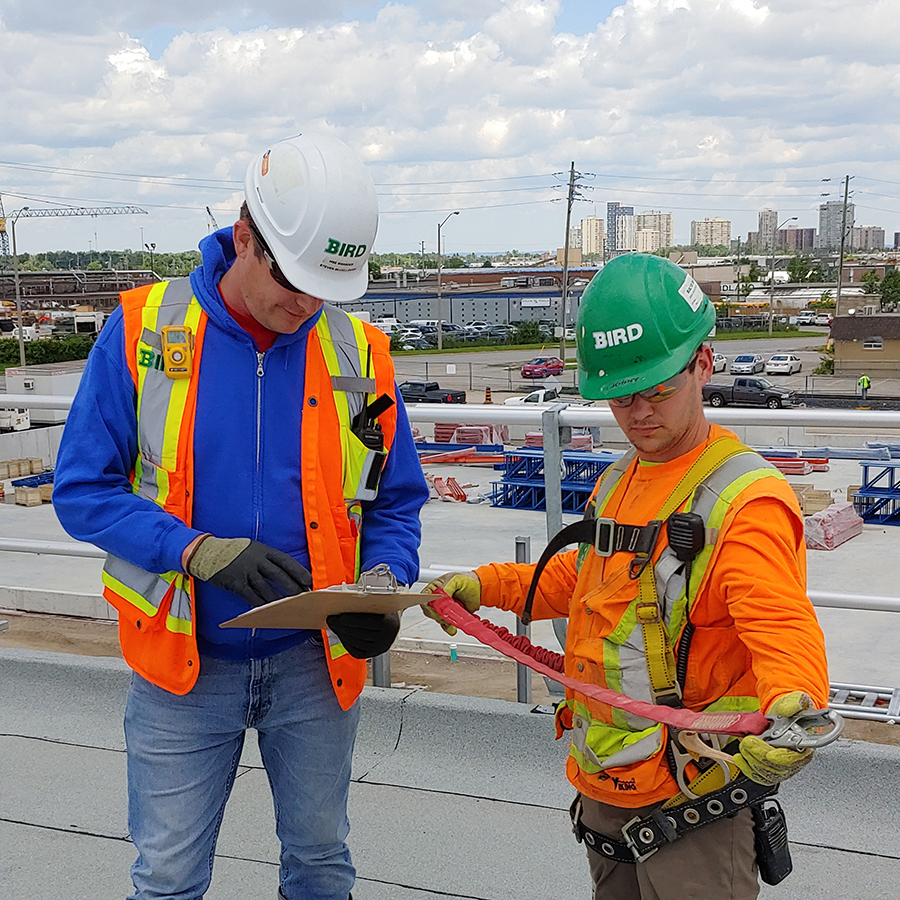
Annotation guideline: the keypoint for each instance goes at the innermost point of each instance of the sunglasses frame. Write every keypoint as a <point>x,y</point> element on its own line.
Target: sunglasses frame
<point>659,392</point>
<point>274,269</point>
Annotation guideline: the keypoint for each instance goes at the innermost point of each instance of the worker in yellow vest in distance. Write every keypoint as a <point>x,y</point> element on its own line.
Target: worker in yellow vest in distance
<point>711,615</point>
<point>238,438</point>
<point>864,384</point>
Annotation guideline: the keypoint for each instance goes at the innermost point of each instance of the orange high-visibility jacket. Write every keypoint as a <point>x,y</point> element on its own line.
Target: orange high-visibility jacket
<point>756,638</point>
<point>157,612</point>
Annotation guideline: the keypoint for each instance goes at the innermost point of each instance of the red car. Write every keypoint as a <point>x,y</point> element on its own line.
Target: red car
<point>542,366</point>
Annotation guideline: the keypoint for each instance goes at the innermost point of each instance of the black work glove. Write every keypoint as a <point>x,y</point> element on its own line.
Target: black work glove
<point>255,572</point>
<point>365,635</point>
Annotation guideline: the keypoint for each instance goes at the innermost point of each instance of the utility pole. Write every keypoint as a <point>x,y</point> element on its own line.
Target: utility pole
<point>840,277</point>
<point>772,271</point>
<point>565,273</point>
<point>440,321</point>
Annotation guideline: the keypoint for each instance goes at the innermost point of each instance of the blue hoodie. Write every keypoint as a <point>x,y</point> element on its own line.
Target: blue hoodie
<point>233,497</point>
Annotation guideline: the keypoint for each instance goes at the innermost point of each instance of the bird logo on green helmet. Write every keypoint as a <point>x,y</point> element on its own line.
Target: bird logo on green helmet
<point>640,321</point>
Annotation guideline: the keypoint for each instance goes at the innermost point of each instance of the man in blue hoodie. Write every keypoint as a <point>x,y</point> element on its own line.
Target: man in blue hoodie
<point>209,458</point>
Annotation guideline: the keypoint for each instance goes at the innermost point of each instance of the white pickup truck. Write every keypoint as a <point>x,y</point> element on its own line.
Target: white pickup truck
<point>544,397</point>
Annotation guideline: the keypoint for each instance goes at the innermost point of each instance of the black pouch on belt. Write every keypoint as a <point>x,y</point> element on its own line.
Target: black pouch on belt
<point>773,855</point>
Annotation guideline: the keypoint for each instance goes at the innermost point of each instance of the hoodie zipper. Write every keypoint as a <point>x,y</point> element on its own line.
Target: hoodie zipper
<point>260,372</point>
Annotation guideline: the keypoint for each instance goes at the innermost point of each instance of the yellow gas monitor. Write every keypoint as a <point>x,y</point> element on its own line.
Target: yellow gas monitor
<point>176,347</point>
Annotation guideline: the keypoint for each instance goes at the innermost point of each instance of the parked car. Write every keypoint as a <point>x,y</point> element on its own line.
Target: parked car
<point>501,333</point>
<point>824,319</point>
<point>784,364</point>
<point>720,363</point>
<point>479,325</point>
<point>542,366</point>
<point>429,392</point>
<point>541,395</point>
<point>807,317</point>
<point>748,392</point>
<point>747,364</point>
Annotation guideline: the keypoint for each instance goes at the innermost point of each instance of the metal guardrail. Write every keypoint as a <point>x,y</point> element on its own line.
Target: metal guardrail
<point>551,420</point>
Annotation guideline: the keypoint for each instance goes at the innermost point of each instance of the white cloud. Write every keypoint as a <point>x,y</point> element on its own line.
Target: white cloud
<point>726,92</point>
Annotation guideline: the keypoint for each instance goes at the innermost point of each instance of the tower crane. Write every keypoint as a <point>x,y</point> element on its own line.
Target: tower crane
<point>44,212</point>
<point>213,225</point>
<point>4,238</point>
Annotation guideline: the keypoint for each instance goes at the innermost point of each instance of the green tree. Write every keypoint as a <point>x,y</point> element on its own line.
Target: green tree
<point>527,333</point>
<point>374,270</point>
<point>801,269</point>
<point>871,282</point>
<point>890,288</point>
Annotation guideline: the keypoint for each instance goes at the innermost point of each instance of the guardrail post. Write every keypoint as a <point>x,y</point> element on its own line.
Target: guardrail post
<point>381,670</point>
<point>523,673</point>
<point>553,470</point>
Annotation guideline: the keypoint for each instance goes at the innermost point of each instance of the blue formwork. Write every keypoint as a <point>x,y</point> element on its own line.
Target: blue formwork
<point>522,486</point>
<point>878,499</point>
<point>34,480</point>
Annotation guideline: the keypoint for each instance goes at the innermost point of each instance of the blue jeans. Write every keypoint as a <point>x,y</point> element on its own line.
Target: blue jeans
<point>183,754</point>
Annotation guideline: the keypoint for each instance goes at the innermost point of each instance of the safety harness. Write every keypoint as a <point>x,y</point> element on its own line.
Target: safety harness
<point>719,790</point>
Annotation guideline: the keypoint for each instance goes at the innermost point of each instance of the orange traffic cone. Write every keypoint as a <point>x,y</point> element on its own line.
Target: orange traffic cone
<point>487,395</point>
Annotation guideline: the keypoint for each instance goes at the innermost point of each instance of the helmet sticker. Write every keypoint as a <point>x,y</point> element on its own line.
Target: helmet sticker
<point>264,168</point>
<point>606,339</point>
<point>691,292</point>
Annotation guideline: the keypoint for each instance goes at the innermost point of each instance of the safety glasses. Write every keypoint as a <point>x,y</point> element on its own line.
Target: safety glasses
<point>274,268</point>
<point>659,392</point>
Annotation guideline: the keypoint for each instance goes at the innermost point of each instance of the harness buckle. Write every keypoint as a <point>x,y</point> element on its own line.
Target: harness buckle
<point>644,836</point>
<point>604,536</point>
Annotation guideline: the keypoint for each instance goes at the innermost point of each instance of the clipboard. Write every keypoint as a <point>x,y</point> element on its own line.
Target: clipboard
<point>376,591</point>
<point>310,610</point>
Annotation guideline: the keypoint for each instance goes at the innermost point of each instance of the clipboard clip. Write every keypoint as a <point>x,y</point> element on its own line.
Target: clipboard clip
<point>378,580</point>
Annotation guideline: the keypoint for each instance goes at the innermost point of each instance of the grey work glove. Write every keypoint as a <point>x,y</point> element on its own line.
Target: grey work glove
<point>255,572</point>
<point>365,635</point>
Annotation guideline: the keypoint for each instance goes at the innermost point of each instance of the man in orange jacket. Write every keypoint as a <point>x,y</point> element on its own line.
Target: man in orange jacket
<point>712,615</point>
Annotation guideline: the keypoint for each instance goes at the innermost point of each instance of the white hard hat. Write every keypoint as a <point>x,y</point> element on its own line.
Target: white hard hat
<point>314,203</point>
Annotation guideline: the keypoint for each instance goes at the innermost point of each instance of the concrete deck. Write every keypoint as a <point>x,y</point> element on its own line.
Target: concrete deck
<point>451,798</point>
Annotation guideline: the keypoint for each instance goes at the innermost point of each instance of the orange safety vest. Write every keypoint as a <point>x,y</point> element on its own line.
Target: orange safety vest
<point>614,756</point>
<point>157,611</point>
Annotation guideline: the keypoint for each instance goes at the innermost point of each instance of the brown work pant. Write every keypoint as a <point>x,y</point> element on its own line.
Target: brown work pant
<point>716,862</point>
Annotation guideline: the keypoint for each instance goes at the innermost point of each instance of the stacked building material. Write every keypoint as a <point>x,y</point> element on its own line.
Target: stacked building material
<point>832,527</point>
<point>582,442</point>
<point>473,434</point>
<point>444,431</point>
<point>534,439</point>
<point>810,499</point>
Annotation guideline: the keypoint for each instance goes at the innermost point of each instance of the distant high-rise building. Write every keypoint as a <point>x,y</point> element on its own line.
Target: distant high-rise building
<point>656,221</point>
<point>798,239</point>
<point>648,240</point>
<point>830,217</point>
<point>593,236</point>
<point>625,234</point>
<point>867,237</point>
<point>897,240</point>
<point>711,231</point>
<point>613,212</point>
<point>575,238</point>
<point>768,223</point>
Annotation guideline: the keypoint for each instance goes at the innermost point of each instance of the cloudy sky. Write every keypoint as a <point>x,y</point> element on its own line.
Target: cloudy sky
<point>700,107</point>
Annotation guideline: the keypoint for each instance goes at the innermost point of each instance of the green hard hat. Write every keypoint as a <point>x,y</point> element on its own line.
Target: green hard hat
<point>640,321</point>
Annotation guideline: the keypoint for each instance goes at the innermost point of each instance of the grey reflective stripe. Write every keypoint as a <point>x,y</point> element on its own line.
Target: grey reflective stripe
<point>148,485</point>
<point>343,338</point>
<point>612,476</point>
<point>150,586</point>
<point>157,390</point>
<point>180,607</point>
<point>668,569</point>
<point>348,383</point>
<point>151,339</point>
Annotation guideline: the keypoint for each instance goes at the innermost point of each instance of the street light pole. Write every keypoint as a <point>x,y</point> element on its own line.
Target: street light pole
<point>151,247</point>
<point>21,328</point>
<point>440,327</point>
<point>772,271</point>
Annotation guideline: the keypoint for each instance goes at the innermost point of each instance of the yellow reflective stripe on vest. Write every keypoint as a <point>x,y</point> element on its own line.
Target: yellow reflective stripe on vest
<point>160,408</point>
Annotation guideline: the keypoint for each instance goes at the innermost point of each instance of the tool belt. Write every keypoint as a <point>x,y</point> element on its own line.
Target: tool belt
<point>644,836</point>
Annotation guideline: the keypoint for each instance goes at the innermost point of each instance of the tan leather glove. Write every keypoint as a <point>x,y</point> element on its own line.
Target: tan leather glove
<point>765,764</point>
<point>462,586</point>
